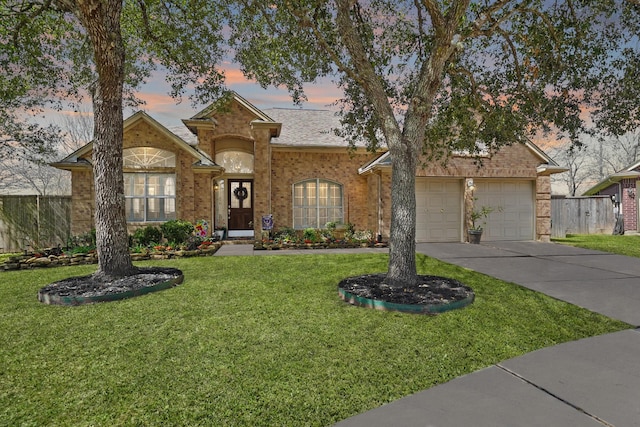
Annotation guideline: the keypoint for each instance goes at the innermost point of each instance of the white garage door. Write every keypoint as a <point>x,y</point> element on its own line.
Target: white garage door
<point>513,217</point>
<point>438,210</point>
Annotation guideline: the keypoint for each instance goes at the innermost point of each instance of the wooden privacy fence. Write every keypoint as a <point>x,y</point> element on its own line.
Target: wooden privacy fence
<point>581,215</point>
<point>33,222</point>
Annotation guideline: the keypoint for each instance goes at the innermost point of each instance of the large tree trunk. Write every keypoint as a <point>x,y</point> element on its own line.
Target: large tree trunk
<point>101,19</point>
<point>402,239</point>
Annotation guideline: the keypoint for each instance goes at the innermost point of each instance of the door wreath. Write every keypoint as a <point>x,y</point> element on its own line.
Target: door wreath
<point>241,193</point>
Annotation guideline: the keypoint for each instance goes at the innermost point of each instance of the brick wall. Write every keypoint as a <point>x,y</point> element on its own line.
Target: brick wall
<point>515,161</point>
<point>629,204</point>
<point>543,208</point>
<point>82,202</point>
<point>288,168</point>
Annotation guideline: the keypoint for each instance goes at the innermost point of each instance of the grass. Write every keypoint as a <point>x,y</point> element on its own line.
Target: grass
<point>623,245</point>
<point>254,341</point>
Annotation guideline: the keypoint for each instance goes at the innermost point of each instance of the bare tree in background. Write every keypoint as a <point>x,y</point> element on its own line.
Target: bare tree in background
<point>593,160</point>
<point>578,159</point>
<point>27,171</point>
<point>618,152</point>
<point>78,130</point>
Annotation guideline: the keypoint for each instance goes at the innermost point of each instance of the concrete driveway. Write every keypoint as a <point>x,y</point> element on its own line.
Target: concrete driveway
<point>605,283</point>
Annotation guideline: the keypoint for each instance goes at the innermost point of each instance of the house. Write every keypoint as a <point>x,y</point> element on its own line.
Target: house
<point>244,163</point>
<point>622,188</point>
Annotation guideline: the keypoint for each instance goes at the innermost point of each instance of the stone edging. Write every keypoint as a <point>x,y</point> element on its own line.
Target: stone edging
<point>405,308</point>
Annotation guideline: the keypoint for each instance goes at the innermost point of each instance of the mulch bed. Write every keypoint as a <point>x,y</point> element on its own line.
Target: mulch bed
<point>430,290</point>
<point>91,287</point>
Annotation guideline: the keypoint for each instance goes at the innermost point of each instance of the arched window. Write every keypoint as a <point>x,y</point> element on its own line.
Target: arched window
<point>316,202</point>
<point>235,161</point>
<point>149,196</point>
<point>148,157</point>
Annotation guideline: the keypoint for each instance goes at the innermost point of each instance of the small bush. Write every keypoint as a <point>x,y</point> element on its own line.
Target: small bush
<point>147,235</point>
<point>86,242</point>
<point>177,231</point>
<point>285,235</point>
<point>310,234</point>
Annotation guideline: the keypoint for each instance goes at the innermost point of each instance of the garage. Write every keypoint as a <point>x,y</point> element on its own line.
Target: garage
<point>513,201</point>
<point>438,210</point>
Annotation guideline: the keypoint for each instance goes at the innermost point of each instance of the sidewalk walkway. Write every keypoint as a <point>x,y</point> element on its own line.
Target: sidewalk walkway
<point>591,382</point>
<point>247,250</point>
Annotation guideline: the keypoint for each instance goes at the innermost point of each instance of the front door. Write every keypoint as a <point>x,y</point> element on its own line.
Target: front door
<point>240,199</point>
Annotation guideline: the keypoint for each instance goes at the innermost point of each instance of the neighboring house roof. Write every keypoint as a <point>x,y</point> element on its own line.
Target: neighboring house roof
<point>75,160</point>
<point>548,167</point>
<point>629,172</point>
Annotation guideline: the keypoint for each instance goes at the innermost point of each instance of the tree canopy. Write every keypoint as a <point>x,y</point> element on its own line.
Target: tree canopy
<point>57,51</point>
<point>427,78</point>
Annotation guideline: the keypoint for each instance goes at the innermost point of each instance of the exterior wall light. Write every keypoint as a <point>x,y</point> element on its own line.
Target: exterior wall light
<point>470,184</point>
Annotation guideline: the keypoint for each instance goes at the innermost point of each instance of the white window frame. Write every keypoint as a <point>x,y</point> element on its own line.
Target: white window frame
<point>147,163</point>
<point>146,197</point>
<point>297,224</point>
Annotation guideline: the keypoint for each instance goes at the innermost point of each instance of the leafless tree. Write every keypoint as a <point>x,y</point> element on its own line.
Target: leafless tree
<point>28,170</point>
<point>618,152</point>
<point>578,159</point>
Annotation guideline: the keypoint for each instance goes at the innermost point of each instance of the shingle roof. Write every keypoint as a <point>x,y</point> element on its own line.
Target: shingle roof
<point>306,128</point>
<point>185,134</point>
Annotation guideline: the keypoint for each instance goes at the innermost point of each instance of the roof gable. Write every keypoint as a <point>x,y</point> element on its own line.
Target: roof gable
<point>76,158</point>
<point>208,118</point>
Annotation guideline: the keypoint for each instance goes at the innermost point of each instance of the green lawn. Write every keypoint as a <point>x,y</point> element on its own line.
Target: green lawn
<point>623,245</point>
<point>254,341</point>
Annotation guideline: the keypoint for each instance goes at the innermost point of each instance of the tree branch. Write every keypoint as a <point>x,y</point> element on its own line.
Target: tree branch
<point>364,71</point>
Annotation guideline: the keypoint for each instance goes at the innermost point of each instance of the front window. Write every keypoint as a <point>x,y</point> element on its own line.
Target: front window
<point>149,197</point>
<point>316,202</point>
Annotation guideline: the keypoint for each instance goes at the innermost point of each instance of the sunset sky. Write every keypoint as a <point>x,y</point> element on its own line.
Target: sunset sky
<point>164,108</point>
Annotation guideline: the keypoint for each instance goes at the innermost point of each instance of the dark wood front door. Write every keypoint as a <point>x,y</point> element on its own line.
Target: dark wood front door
<point>240,204</point>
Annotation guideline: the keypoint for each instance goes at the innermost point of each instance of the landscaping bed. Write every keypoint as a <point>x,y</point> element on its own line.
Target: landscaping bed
<point>42,260</point>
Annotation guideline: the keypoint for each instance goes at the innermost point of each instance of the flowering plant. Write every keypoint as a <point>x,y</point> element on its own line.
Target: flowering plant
<point>201,228</point>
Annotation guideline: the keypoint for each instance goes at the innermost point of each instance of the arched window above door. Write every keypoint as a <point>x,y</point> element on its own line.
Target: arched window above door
<point>235,161</point>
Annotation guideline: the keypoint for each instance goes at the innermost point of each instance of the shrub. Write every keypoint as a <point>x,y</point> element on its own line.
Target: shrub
<point>310,234</point>
<point>177,231</point>
<point>147,235</point>
<point>285,235</point>
<point>331,226</point>
<point>363,236</point>
<point>86,241</point>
